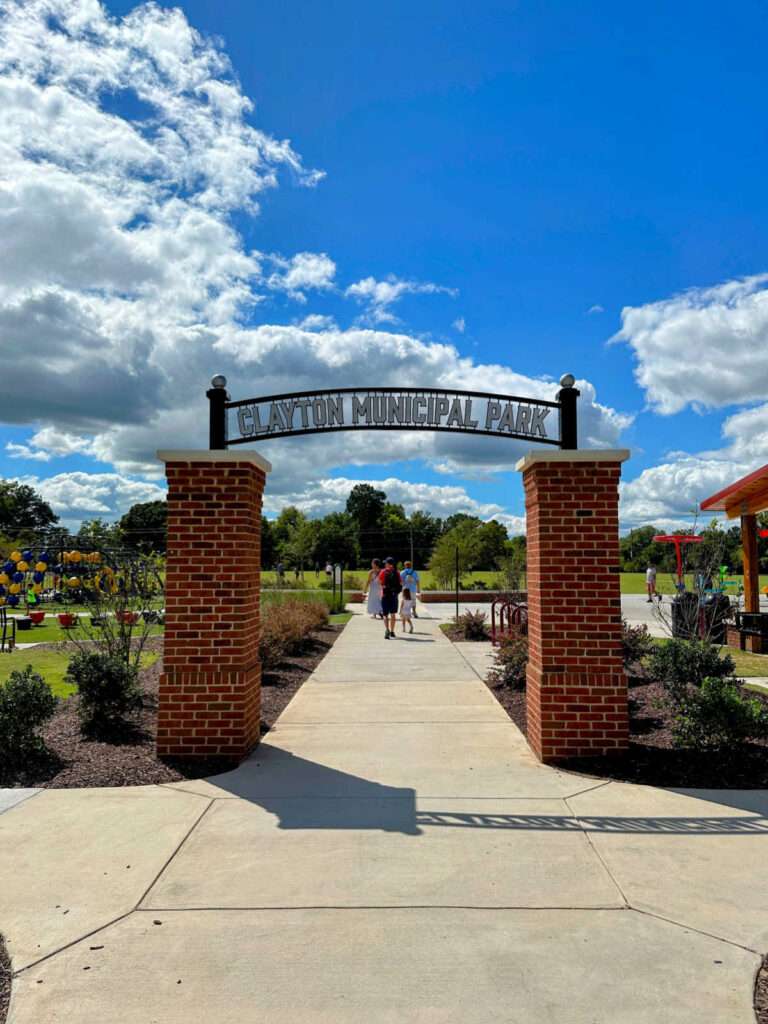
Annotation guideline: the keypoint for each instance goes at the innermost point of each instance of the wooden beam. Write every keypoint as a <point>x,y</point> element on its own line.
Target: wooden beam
<point>748,503</point>
<point>751,578</point>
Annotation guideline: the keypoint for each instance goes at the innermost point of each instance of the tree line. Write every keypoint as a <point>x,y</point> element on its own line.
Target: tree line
<point>720,545</point>
<point>370,526</point>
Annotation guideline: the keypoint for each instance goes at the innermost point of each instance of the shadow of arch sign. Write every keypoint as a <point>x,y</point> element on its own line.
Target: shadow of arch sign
<point>440,409</point>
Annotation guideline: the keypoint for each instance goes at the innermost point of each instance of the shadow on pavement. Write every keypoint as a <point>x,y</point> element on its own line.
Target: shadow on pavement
<point>303,794</point>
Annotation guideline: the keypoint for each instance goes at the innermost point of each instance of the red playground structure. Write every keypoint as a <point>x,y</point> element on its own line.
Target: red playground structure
<point>677,539</point>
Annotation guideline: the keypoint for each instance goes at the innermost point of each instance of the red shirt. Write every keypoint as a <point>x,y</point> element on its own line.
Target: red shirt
<point>382,577</point>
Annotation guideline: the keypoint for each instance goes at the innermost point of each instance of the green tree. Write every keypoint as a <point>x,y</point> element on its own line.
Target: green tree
<point>424,529</point>
<point>638,547</point>
<point>289,520</point>
<point>465,537</point>
<point>457,518</point>
<point>96,535</point>
<point>493,538</point>
<point>268,558</point>
<point>23,513</point>
<point>365,505</point>
<point>299,548</point>
<point>336,540</point>
<point>145,527</point>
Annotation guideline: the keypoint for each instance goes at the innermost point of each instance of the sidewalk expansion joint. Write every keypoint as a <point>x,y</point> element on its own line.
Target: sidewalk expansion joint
<point>692,928</point>
<point>74,942</point>
<point>597,853</point>
<point>169,861</point>
<point>494,908</point>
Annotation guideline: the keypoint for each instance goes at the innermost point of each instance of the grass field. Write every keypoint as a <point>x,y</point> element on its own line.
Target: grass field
<point>51,665</point>
<point>634,582</point>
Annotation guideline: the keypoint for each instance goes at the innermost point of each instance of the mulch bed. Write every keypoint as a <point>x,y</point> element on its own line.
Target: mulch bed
<point>652,759</point>
<point>128,758</point>
<point>5,981</point>
<point>761,993</point>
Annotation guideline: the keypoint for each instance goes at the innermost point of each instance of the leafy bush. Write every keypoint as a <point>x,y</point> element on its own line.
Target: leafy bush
<point>636,643</point>
<point>681,664</point>
<point>286,627</point>
<point>473,625</point>
<point>510,662</point>
<point>26,703</point>
<point>107,686</point>
<point>352,582</point>
<point>719,714</point>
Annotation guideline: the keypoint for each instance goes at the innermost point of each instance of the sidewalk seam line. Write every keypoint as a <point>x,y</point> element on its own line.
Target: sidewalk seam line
<point>74,942</point>
<point>598,855</point>
<point>168,862</point>
<point>693,928</point>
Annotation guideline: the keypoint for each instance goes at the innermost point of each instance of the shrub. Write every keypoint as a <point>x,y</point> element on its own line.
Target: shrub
<point>352,582</point>
<point>636,643</point>
<point>681,664</point>
<point>26,703</point>
<point>510,662</point>
<point>472,625</point>
<point>719,714</point>
<point>286,627</point>
<point>107,686</point>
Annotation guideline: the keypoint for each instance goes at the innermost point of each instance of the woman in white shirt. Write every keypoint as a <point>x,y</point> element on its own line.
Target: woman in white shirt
<point>373,590</point>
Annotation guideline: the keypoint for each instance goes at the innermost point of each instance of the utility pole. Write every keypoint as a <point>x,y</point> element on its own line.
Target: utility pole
<point>410,530</point>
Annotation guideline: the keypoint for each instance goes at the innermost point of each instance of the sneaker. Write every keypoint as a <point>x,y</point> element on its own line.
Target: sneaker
<point>649,601</point>
<point>386,634</point>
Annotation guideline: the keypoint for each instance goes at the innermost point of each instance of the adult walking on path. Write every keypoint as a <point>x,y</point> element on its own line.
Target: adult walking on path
<point>391,585</point>
<point>373,590</point>
<point>411,580</point>
<point>650,582</point>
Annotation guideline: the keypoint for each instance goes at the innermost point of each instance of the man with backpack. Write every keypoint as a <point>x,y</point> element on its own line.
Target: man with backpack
<point>391,585</point>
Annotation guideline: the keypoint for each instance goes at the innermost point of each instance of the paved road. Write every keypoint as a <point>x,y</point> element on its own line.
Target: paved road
<point>391,853</point>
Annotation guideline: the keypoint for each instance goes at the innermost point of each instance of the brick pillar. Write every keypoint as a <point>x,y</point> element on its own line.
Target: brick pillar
<point>576,689</point>
<point>210,689</point>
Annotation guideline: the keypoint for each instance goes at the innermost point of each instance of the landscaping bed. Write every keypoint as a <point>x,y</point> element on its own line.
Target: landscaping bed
<point>702,759</point>
<point>652,759</point>
<point>72,760</point>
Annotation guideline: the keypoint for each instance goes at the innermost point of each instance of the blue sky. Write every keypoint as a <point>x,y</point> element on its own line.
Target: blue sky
<point>531,180</point>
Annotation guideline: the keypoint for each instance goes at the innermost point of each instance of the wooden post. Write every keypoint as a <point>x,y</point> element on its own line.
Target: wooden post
<point>751,577</point>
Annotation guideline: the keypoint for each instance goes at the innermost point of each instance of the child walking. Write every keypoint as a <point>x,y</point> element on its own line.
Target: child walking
<point>406,607</point>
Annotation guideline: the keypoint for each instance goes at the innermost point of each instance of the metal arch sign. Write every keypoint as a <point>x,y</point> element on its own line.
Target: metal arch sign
<point>434,409</point>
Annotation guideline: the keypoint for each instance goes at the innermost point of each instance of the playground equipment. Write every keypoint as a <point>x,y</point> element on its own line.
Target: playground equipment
<point>513,617</point>
<point>677,539</point>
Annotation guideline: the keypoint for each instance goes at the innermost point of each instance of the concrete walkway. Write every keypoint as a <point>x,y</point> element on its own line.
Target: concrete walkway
<point>392,853</point>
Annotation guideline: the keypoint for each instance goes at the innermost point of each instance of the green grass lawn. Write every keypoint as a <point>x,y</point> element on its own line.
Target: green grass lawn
<point>634,582</point>
<point>51,665</point>
<point>341,619</point>
<point>51,632</point>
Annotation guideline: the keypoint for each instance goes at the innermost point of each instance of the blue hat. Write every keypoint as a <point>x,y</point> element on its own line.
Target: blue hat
<point>390,559</point>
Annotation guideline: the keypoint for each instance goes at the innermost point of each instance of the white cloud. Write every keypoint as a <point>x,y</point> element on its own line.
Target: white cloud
<point>77,496</point>
<point>303,271</point>
<point>23,451</point>
<point>378,296</point>
<point>707,347</point>
<point>330,494</point>
<point>118,252</point>
<point>460,325</point>
<point>597,308</point>
<point>317,322</point>
<point>124,286</point>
